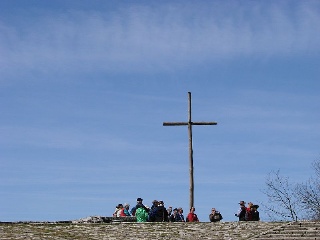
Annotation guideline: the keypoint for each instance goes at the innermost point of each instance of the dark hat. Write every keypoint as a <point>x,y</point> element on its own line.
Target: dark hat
<point>242,202</point>
<point>255,206</point>
<point>139,199</point>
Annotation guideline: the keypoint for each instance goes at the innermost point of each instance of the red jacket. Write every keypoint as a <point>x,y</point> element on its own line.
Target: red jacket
<point>248,216</point>
<point>192,217</point>
<point>122,214</point>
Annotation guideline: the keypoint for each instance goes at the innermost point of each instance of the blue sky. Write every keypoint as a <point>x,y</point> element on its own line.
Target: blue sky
<point>86,85</point>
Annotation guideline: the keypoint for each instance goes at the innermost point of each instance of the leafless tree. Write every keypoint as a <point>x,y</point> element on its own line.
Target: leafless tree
<point>282,200</point>
<point>309,194</point>
<point>316,167</point>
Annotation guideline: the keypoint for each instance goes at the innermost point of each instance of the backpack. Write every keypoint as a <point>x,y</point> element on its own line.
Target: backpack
<point>141,215</point>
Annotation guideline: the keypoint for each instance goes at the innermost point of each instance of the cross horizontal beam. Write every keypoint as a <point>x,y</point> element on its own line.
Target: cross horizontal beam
<point>187,123</point>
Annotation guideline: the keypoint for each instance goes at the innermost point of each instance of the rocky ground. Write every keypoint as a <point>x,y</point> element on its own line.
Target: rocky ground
<point>86,229</point>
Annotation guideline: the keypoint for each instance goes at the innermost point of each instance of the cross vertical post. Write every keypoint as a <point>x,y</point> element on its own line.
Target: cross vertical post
<point>189,124</point>
<point>191,197</point>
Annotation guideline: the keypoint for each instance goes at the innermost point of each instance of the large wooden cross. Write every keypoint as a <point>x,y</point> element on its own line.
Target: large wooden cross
<point>189,124</point>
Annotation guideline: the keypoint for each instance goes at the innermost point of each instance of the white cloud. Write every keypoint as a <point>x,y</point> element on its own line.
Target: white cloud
<point>142,38</point>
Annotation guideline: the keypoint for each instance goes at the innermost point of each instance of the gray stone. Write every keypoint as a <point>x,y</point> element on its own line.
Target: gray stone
<point>98,227</point>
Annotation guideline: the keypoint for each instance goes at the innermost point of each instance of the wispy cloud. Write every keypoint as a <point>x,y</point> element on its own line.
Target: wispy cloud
<point>141,38</point>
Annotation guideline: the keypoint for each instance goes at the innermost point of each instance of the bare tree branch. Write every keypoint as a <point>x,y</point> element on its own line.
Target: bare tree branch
<point>282,201</point>
<point>309,194</point>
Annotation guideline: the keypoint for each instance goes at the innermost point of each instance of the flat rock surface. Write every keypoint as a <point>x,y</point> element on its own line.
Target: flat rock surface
<point>130,230</point>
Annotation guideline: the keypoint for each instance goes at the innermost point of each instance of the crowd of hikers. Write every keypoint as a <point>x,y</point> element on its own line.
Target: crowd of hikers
<point>158,213</point>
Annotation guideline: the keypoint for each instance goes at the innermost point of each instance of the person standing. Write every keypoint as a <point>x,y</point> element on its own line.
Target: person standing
<point>241,214</point>
<point>255,213</point>
<point>248,216</point>
<point>192,217</point>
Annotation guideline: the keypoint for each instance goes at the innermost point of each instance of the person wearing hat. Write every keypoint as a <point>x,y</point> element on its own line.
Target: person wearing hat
<point>141,211</point>
<point>173,216</point>
<point>241,214</point>
<point>180,217</point>
<point>140,204</point>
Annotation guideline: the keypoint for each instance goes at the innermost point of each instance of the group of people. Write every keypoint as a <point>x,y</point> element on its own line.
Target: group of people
<point>122,210</point>
<point>158,213</point>
<point>249,213</point>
